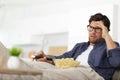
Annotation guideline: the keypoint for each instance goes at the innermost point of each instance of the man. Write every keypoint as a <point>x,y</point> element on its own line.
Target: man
<point>101,53</point>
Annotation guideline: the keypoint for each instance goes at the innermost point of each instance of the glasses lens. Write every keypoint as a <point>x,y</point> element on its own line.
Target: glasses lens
<point>89,28</point>
<point>97,29</point>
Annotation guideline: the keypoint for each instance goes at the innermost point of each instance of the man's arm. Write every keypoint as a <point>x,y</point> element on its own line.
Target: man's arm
<point>112,47</point>
<point>110,43</point>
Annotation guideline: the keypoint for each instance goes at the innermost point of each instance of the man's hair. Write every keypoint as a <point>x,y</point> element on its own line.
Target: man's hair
<point>100,17</point>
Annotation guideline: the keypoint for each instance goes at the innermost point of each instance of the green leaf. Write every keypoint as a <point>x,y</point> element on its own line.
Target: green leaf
<point>14,51</point>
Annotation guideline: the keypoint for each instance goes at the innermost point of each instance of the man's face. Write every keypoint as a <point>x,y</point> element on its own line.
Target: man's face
<point>95,32</point>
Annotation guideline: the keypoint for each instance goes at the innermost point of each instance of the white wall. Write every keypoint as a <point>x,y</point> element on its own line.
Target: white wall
<point>117,18</point>
<point>20,19</point>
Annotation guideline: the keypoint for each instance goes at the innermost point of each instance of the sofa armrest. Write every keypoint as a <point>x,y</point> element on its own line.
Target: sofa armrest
<point>116,75</point>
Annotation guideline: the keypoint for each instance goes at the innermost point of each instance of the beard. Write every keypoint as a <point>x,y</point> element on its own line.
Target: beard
<point>95,41</point>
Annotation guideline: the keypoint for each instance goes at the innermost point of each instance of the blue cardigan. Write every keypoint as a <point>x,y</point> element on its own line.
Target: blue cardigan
<point>103,61</point>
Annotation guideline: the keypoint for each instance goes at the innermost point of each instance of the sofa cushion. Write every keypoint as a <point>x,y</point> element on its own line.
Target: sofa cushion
<point>116,75</point>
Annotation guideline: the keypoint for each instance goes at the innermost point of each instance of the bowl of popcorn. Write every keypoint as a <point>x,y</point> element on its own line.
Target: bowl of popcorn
<point>65,63</point>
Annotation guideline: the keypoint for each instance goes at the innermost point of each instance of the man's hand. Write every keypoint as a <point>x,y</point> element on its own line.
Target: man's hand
<point>110,43</point>
<point>40,56</point>
<point>104,30</point>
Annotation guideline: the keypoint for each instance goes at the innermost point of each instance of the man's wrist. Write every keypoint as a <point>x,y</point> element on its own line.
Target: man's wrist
<point>106,36</point>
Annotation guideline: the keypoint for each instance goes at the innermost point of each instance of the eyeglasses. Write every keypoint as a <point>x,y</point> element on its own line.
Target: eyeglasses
<point>91,28</point>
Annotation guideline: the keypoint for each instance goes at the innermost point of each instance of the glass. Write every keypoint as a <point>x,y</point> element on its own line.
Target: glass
<point>91,28</point>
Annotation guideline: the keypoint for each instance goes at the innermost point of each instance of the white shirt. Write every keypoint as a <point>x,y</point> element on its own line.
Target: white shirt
<point>83,58</point>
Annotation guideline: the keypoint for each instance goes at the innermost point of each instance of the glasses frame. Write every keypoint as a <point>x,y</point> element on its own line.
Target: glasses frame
<point>91,28</point>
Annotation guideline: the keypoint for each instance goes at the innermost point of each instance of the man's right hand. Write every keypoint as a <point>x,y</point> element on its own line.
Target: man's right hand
<point>40,56</point>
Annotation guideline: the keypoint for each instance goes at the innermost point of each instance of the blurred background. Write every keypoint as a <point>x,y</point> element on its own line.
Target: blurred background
<point>54,26</point>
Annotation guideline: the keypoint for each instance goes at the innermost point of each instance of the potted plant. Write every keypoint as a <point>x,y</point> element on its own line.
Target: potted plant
<point>14,61</point>
<point>14,51</point>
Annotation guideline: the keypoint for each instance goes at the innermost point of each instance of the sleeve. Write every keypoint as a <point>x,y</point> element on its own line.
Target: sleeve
<point>114,56</point>
<point>68,54</point>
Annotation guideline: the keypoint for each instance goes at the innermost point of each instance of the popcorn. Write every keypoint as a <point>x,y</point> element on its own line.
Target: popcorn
<point>65,63</point>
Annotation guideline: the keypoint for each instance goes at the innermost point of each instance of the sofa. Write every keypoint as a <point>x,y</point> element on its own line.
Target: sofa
<point>116,75</point>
